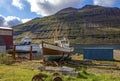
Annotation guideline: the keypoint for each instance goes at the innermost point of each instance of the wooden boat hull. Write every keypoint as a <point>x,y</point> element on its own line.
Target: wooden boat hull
<point>54,53</point>
<point>53,57</point>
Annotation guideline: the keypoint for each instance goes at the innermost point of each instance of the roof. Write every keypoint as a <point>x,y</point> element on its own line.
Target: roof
<point>97,46</point>
<point>6,28</point>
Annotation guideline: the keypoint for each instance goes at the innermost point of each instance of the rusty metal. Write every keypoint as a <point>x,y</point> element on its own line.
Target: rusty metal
<point>57,79</point>
<point>56,74</point>
<point>30,52</point>
<point>14,52</point>
<point>39,77</point>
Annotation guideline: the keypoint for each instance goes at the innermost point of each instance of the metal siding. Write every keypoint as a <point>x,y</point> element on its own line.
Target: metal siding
<point>3,49</point>
<point>2,41</point>
<point>7,39</point>
<point>98,54</point>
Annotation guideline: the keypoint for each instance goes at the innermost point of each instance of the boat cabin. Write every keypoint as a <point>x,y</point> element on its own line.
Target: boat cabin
<point>62,43</point>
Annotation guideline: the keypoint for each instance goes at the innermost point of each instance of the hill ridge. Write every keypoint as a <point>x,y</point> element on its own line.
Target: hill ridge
<point>87,25</point>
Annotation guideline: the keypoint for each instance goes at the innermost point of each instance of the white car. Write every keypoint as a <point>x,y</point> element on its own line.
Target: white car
<point>26,41</point>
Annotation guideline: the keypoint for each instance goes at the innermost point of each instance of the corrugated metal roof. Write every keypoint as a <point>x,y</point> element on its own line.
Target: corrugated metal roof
<point>97,46</point>
<point>6,28</point>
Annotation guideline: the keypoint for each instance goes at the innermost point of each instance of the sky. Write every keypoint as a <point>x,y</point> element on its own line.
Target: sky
<point>14,12</point>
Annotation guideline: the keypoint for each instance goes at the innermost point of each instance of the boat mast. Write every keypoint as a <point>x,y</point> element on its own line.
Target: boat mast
<point>56,32</point>
<point>67,32</point>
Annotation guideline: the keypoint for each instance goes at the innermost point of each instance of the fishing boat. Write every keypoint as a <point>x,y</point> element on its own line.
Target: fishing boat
<point>61,49</point>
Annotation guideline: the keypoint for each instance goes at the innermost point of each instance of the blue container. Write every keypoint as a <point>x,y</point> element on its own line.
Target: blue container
<point>98,54</point>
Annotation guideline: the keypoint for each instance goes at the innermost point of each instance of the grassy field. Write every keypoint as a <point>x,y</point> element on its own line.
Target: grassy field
<point>25,70</point>
<point>16,73</point>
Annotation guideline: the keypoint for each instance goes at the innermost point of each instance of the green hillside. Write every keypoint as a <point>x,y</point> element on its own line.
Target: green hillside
<point>87,25</point>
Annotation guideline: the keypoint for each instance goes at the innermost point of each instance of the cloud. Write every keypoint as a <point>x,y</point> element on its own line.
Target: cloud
<point>104,2</point>
<point>25,20</point>
<point>49,7</point>
<point>11,21</point>
<point>2,20</point>
<point>17,4</point>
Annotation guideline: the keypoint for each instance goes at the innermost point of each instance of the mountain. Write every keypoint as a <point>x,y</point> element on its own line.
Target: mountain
<point>91,24</point>
<point>67,10</point>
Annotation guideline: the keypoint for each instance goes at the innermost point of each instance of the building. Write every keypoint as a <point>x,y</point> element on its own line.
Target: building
<point>6,37</point>
<point>99,51</point>
<point>98,54</point>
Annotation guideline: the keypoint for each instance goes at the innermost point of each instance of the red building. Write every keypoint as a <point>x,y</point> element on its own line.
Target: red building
<point>6,37</point>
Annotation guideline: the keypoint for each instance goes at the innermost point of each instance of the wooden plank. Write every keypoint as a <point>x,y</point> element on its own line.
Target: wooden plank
<point>64,70</point>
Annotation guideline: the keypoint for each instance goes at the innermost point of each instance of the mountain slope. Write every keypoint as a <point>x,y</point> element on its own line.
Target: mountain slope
<point>87,25</point>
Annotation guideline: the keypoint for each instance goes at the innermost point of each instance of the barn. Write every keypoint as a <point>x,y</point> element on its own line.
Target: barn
<point>6,37</point>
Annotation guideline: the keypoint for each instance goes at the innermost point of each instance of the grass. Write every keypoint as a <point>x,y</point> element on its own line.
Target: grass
<point>16,73</point>
<point>24,71</point>
<point>21,72</point>
<point>6,59</point>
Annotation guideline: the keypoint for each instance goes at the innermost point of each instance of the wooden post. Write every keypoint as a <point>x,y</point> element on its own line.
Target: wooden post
<point>30,52</point>
<point>14,52</point>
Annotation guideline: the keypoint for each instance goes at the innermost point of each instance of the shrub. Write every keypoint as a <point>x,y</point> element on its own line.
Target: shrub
<point>6,59</point>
